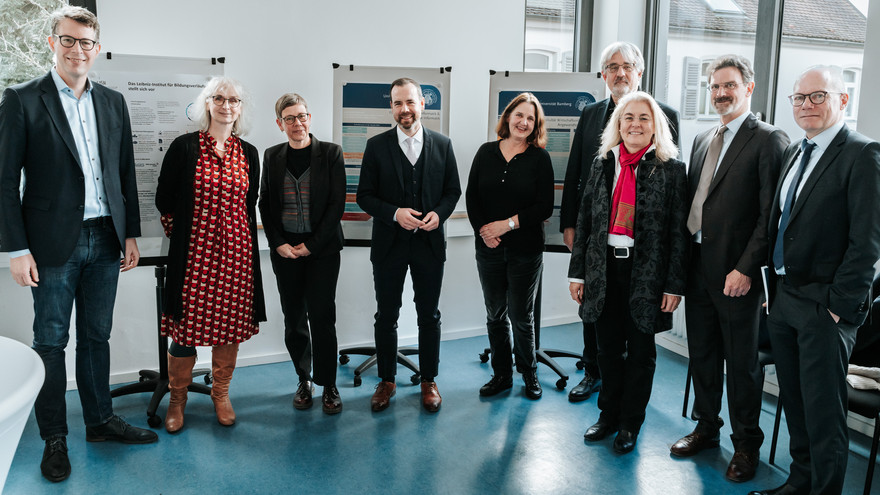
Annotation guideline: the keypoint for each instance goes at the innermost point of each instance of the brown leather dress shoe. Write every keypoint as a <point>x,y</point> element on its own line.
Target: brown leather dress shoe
<point>743,465</point>
<point>431,397</point>
<point>693,444</point>
<point>330,401</point>
<point>382,396</point>
<point>302,399</point>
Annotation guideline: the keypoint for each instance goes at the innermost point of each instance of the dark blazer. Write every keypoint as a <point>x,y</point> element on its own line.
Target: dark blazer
<point>660,252</point>
<point>174,195</point>
<point>584,147</point>
<point>380,191</point>
<point>35,137</point>
<point>737,207</point>
<point>833,236</point>
<point>326,196</point>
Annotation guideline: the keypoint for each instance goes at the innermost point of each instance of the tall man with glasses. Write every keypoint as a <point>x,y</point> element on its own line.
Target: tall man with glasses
<point>409,185</point>
<point>824,238</point>
<point>622,66</point>
<point>732,176</point>
<point>65,229</point>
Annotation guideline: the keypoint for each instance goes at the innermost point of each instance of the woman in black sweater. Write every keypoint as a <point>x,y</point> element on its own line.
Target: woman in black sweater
<point>509,195</point>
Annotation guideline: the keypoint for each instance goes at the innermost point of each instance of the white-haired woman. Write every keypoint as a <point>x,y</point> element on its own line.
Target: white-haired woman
<point>207,196</point>
<point>627,267</point>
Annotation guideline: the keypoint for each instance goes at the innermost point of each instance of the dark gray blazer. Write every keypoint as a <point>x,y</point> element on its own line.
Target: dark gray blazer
<point>660,252</point>
<point>586,143</point>
<point>737,207</point>
<point>380,191</point>
<point>36,138</point>
<point>833,236</point>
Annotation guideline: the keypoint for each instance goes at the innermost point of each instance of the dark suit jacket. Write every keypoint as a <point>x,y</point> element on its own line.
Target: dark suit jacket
<point>586,143</point>
<point>326,196</point>
<point>659,262</point>
<point>174,195</point>
<point>35,137</point>
<point>833,236</point>
<point>737,207</point>
<point>380,191</point>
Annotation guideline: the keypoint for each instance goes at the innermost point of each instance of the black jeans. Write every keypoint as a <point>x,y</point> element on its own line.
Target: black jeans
<point>510,281</point>
<point>410,252</point>
<point>627,356</point>
<point>308,300</point>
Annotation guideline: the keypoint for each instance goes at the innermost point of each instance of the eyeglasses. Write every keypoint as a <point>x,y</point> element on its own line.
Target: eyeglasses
<point>816,98</point>
<point>728,86</point>
<point>220,101</point>
<point>69,41</point>
<point>290,119</point>
<point>613,68</point>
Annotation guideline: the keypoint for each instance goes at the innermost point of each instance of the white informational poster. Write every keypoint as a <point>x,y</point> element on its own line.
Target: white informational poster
<point>362,109</point>
<point>158,91</point>
<point>563,95</point>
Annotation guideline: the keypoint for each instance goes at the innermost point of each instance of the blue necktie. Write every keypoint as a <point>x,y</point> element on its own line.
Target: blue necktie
<point>807,150</point>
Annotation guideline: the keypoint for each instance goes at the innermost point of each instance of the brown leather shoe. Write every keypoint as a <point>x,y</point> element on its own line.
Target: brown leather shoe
<point>382,396</point>
<point>431,397</point>
<point>694,443</point>
<point>330,401</point>
<point>743,465</point>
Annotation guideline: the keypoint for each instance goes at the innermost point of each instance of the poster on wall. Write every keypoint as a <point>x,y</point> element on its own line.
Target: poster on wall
<point>362,109</point>
<point>159,92</point>
<point>563,96</point>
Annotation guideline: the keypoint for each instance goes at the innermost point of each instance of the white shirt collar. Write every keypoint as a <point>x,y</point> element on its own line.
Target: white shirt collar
<point>61,85</point>
<point>418,137</point>
<point>734,125</point>
<point>824,138</point>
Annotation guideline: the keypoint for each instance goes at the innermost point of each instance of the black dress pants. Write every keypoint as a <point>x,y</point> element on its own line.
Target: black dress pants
<point>719,329</point>
<point>308,300</point>
<point>510,282</point>
<point>627,356</point>
<point>409,252</point>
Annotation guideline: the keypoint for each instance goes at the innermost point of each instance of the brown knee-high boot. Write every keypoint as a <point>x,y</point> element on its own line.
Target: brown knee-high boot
<point>179,377</point>
<point>222,365</point>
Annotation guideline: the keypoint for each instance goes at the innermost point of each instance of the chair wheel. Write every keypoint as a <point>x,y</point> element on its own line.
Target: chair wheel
<point>415,379</point>
<point>579,364</point>
<point>154,420</point>
<point>142,379</point>
<point>484,357</point>
<point>208,379</point>
<point>357,381</point>
<point>560,384</point>
<point>343,359</point>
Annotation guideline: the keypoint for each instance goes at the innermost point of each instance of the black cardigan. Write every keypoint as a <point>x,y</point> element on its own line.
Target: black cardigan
<point>174,195</point>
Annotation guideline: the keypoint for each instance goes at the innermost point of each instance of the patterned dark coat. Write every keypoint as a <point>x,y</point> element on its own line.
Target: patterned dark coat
<point>661,237</point>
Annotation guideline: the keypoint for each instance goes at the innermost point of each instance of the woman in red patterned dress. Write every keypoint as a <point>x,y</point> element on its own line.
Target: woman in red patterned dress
<point>207,195</point>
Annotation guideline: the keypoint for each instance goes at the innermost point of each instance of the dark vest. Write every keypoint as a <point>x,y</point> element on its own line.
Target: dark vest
<point>412,180</point>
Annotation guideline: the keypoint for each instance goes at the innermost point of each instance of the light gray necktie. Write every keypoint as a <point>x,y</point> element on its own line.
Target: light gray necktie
<point>695,217</point>
<point>410,150</point>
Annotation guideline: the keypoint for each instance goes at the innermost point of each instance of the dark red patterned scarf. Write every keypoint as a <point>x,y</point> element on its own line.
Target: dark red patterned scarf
<point>623,202</point>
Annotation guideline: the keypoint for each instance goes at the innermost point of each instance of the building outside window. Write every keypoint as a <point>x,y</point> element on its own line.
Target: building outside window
<point>549,35</point>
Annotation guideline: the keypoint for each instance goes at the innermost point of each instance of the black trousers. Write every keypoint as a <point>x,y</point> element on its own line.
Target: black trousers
<point>812,356</point>
<point>410,252</point>
<point>308,300</point>
<point>627,356</point>
<point>591,350</point>
<point>510,282</point>
<point>719,329</point>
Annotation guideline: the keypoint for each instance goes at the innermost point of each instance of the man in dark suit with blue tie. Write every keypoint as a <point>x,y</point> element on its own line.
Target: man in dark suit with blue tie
<point>732,176</point>
<point>622,66</point>
<point>824,238</point>
<point>409,185</point>
<point>66,228</point>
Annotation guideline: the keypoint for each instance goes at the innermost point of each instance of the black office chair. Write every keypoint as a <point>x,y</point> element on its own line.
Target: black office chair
<point>765,358</point>
<point>402,353</point>
<point>867,403</point>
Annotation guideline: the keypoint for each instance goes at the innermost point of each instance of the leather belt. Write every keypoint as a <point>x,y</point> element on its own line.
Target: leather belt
<point>621,252</point>
<point>98,222</point>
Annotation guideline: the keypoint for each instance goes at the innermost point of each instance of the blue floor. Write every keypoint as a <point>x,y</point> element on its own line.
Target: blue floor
<point>500,445</point>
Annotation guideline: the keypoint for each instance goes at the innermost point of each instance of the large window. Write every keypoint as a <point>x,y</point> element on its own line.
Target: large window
<point>549,36</point>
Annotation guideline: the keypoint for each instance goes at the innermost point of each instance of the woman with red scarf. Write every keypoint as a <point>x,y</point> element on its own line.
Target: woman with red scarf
<point>628,265</point>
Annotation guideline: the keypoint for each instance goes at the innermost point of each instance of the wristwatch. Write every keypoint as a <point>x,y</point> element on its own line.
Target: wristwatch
<point>510,223</point>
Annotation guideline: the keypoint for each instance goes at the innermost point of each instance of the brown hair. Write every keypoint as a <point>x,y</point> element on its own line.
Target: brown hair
<point>538,137</point>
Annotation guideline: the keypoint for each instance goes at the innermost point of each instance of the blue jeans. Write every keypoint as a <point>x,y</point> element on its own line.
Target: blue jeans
<point>88,278</point>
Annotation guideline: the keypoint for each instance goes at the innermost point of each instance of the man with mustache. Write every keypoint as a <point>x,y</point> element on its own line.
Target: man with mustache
<point>732,175</point>
<point>622,66</point>
<point>409,185</point>
<point>71,228</point>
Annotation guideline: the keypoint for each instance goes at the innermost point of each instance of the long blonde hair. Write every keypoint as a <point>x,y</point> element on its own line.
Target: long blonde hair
<point>664,146</point>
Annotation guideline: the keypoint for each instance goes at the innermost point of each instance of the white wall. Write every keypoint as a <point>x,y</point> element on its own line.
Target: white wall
<point>278,46</point>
